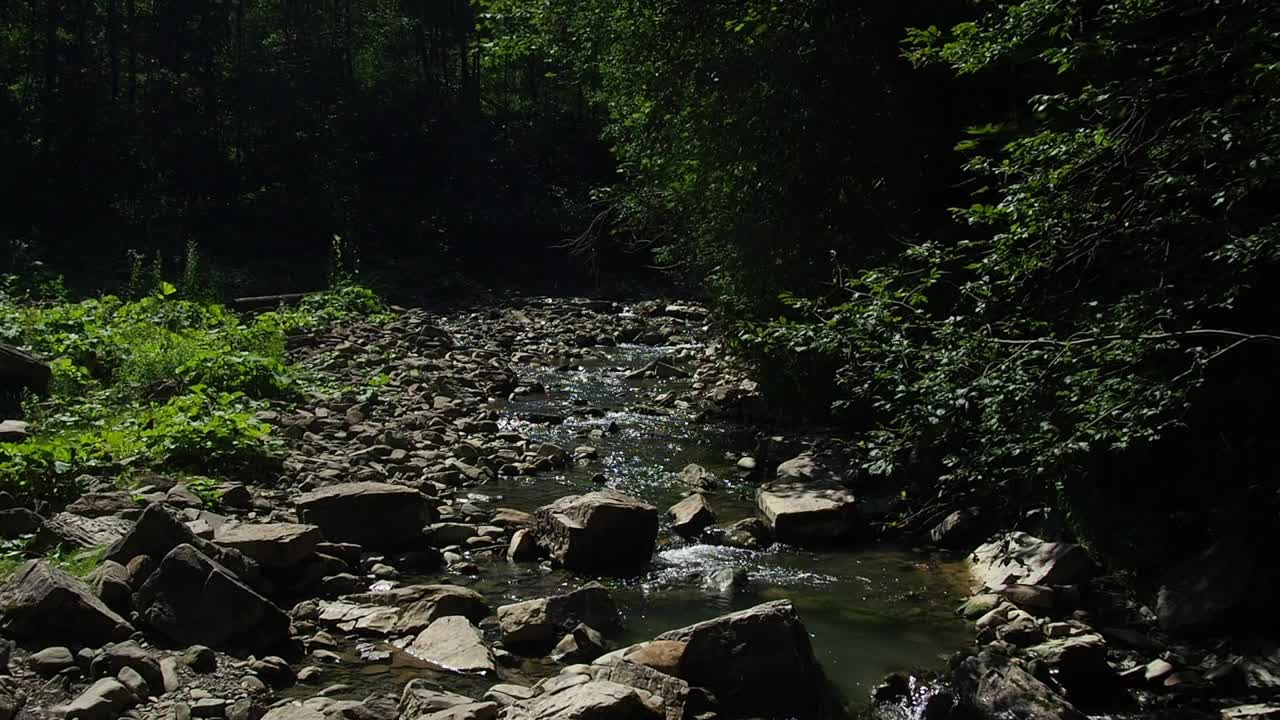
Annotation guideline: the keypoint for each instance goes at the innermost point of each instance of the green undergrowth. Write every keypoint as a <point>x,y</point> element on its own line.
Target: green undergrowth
<point>161,384</point>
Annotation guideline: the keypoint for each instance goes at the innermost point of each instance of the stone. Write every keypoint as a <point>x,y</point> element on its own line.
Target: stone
<point>200,659</point>
<point>68,530</point>
<point>597,531</point>
<point>583,644</point>
<point>545,620</point>
<point>691,516</point>
<point>507,694</point>
<point>105,699</point>
<point>419,699</point>
<point>295,712</point>
<point>374,515</point>
<point>169,674</point>
<point>698,477</point>
<point>274,670</point>
<point>979,605</point>
<point>593,700</point>
<point>1019,558</point>
<point>51,660</point>
<point>661,655</point>
<point>135,682</point>
<point>1261,711</point>
<point>725,580</point>
<point>757,661</point>
<point>748,534</point>
<point>192,599</point>
<point>1037,597</point>
<point>812,512</point>
<point>182,496</point>
<point>110,583</point>
<point>158,532</point>
<point>1205,588</point>
<point>508,518</point>
<point>41,603</point>
<point>802,468</point>
<point>15,522</point>
<point>235,495</point>
<point>274,545</point>
<point>100,504</point>
<point>523,546</point>
<point>129,654</point>
<point>451,533</point>
<point>469,711</point>
<point>401,611</point>
<point>959,529</point>
<point>999,687</point>
<point>1079,664</point>
<point>454,644</point>
<point>747,464</point>
<point>13,431</point>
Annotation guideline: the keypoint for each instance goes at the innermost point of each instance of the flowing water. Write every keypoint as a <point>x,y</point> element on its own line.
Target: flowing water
<point>870,611</point>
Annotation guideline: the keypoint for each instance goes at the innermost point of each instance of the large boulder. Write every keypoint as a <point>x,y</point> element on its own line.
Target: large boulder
<point>158,532</point>
<point>1202,590</point>
<point>275,545</point>
<point>1000,687</point>
<point>598,531</point>
<point>404,610</point>
<point>1019,558</point>
<point>544,620</point>
<point>106,699</point>
<point>594,700</point>
<point>454,644</point>
<point>21,369</point>
<point>757,662</point>
<point>42,603</point>
<point>691,516</point>
<point>194,600</point>
<point>69,530</point>
<point>371,514</point>
<point>808,512</point>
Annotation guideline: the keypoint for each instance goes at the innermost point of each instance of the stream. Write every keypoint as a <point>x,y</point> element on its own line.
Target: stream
<point>870,611</point>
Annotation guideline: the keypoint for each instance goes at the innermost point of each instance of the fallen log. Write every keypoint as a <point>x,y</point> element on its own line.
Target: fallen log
<point>257,302</point>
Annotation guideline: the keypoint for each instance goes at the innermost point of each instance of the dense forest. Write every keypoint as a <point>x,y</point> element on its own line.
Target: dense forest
<point>1023,251</point>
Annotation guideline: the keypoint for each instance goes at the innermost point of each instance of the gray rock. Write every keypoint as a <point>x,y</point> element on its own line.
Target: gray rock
<point>1019,558</point>
<point>1205,588</point>
<point>454,644</point>
<point>812,512</point>
<point>507,694</point>
<point>106,699</point>
<point>1260,711</point>
<point>757,661</point>
<point>294,712</point>
<point>402,611</point>
<point>545,620</point>
<point>371,514</point>
<point>275,545</point>
<point>802,468</point>
<point>129,654</point>
<point>192,599</point>
<point>698,477</point>
<point>959,529</point>
<point>725,580</point>
<point>691,516</point>
<point>15,522</point>
<point>51,660</point>
<point>593,700</point>
<point>523,546</point>
<point>749,534</point>
<point>582,644</point>
<point>470,711</point>
<point>419,699</point>
<point>110,582</point>
<point>99,504</point>
<point>999,687</point>
<point>182,496</point>
<point>200,659</point>
<point>157,532</point>
<point>134,681</point>
<point>599,530</point>
<point>76,531</point>
<point>661,691</point>
<point>42,603</point>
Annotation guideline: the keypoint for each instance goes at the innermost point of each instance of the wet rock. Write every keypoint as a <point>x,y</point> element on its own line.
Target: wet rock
<point>75,531</point>
<point>583,644</point>
<point>1080,665</point>
<point>274,545</point>
<point>600,530</point>
<point>979,605</point>
<point>698,478</point>
<point>42,603</point>
<point>893,688</point>
<point>544,620</point>
<point>664,694</point>
<point>802,468</point>
<point>454,644</point>
<point>757,661</point>
<point>725,580</point>
<point>508,518</point>
<point>748,534</point>
<point>691,516</point>
<point>374,515</point>
<point>1036,597</point>
<point>1202,590</point>
<point>400,611</point>
<point>51,660</point>
<point>523,546</point>
<point>812,512</point>
<point>1019,558</point>
<point>661,655</point>
<point>157,532</point>
<point>192,599</point>
<point>997,686</point>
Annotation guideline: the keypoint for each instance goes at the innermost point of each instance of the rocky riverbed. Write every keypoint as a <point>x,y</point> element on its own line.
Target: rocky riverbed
<point>559,509</point>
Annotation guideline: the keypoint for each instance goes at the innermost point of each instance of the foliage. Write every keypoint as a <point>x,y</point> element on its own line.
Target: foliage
<point>1111,289</point>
